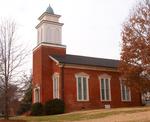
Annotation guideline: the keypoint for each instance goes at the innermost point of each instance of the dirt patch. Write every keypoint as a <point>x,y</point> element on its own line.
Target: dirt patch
<point>14,120</point>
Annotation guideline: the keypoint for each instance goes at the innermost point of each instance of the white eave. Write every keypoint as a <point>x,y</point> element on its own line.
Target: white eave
<point>57,62</point>
<point>49,44</point>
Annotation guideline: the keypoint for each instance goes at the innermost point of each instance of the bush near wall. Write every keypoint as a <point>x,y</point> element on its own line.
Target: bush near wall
<point>23,108</point>
<point>55,106</point>
<point>37,109</point>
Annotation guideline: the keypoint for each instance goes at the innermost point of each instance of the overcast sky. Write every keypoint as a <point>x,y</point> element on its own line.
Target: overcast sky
<point>91,27</point>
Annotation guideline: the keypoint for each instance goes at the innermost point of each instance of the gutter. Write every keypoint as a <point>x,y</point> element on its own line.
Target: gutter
<point>62,79</point>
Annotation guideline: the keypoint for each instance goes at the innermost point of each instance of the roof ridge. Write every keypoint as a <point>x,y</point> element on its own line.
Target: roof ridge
<point>93,57</point>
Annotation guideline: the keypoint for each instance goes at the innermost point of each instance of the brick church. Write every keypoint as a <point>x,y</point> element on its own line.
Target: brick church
<point>82,82</point>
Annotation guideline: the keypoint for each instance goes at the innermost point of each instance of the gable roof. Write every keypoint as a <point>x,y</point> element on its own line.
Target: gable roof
<point>83,60</point>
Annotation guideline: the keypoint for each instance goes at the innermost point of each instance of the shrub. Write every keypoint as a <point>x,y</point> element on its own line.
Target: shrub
<point>37,109</point>
<point>23,108</point>
<point>55,106</point>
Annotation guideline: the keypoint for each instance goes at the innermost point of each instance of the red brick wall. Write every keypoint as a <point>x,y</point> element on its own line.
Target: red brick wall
<point>71,103</point>
<point>43,70</point>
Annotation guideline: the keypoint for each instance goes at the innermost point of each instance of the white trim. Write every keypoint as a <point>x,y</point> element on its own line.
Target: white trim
<point>57,62</point>
<point>55,76</point>
<point>48,22</point>
<point>52,15</point>
<point>82,75</point>
<point>120,78</point>
<point>105,76</point>
<point>125,94</point>
<point>49,44</point>
<point>39,94</point>
<point>89,67</point>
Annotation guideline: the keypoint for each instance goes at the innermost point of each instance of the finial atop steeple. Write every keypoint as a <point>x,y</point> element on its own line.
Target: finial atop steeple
<point>49,10</point>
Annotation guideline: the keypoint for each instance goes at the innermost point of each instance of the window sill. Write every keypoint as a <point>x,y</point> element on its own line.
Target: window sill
<point>105,100</point>
<point>82,100</point>
<point>126,100</point>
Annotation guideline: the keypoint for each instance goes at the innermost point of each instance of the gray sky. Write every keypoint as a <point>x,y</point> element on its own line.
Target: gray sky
<point>91,27</point>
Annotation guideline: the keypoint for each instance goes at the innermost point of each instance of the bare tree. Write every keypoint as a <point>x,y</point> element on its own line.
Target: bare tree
<point>135,54</point>
<point>12,58</point>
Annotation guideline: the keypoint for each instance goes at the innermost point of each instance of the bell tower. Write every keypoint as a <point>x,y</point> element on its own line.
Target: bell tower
<point>49,29</point>
<point>49,41</point>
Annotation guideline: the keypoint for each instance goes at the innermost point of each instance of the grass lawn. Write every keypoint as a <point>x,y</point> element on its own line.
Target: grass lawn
<point>98,115</point>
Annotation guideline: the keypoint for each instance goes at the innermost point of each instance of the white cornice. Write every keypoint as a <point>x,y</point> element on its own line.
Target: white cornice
<point>49,44</point>
<point>53,15</point>
<point>48,22</point>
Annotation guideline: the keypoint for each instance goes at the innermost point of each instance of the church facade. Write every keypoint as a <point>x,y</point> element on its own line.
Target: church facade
<point>82,82</point>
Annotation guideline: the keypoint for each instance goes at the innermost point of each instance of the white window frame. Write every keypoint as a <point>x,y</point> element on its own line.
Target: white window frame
<point>55,76</point>
<point>125,93</point>
<point>105,76</point>
<point>36,87</point>
<point>120,78</point>
<point>86,76</point>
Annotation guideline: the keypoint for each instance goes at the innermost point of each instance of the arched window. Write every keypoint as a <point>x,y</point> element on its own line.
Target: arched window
<point>37,93</point>
<point>41,34</point>
<point>48,33</point>
<point>55,85</point>
<point>57,36</point>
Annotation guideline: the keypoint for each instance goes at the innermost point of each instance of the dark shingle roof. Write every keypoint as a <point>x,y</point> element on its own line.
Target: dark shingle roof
<point>83,60</point>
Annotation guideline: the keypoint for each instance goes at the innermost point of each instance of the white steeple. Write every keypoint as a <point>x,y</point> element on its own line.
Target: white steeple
<point>49,30</point>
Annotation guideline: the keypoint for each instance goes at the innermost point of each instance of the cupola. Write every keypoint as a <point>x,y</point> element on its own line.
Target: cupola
<point>49,10</point>
<point>49,30</point>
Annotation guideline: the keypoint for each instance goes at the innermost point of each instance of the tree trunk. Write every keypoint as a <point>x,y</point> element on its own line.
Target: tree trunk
<point>6,107</point>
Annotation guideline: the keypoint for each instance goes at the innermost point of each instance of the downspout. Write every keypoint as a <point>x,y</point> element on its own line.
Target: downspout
<point>62,79</point>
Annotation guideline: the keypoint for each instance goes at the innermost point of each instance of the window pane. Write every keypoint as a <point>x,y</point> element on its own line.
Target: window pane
<point>127,94</point>
<point>123,95</point>
<point>107,89</point>
<point>123,92</point>
<point>102,83</point>
<point>103,96</point>
<point>123,87</point>
<point>107,94</point>
<point>57,35</point>
<point>79,83</point>
<point>107,84</point>
<point>84,83</point>
<point>79,89</point>
<point>84,92</point>
<point>84,89</point>
<point>79,92</point>
<point>102,89</point>
<point>48,34</point>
